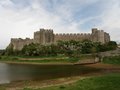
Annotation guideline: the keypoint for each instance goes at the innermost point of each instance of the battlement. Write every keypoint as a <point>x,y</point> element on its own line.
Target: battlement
<point>72,34</point>
<point>19,39</point>
<point>46,30</point>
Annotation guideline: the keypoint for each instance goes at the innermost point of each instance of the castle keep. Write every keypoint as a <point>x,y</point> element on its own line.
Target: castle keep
<point>47,36</point>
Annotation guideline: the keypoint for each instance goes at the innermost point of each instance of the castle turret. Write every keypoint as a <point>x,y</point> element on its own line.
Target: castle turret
<point>44,36</point>
<point>100,36</point>
<point>94,30</point>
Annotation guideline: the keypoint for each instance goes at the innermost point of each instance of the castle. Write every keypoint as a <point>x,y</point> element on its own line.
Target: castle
<point>47,36</point>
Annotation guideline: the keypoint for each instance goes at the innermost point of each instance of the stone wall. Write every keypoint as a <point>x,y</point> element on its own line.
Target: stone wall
<point>68,37</point>
<point>19,43</point>
<point>46,36</point>
<point>100,36</point>
<point>96,36</point>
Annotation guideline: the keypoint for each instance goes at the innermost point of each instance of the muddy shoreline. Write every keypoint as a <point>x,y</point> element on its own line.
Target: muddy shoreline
<point>19,85</point>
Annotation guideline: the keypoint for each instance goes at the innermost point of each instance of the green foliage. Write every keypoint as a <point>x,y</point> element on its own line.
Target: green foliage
<point>112,60</point>
<point>40,50</point>
<point>27,89</point>
<point>112,45</point>
<point>68,48</point>
<point>9,50</point>
<point>8,58</point>
<point>62,87</point>
<point>73,59</point>
<point>105,82</point>
<point>2,52</point>
<point>30,50</point>
<point>86,47</point>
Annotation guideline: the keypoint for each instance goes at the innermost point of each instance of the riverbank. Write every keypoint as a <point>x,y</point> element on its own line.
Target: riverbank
<point>62,82</point>
<point>115,60</point>
<point>35,63</point>
<point>56,60</point>
<point>103,82</point>
<point>35,84</point>
<point>21,85</point>
<point>37,60</point>
<point>83,62</point>
<point>104,69</point>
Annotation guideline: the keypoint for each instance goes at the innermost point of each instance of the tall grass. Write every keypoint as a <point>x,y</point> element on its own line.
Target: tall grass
<point>106,82</point>
<point>112,60</point>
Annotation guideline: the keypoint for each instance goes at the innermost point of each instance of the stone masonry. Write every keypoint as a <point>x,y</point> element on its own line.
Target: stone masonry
<point>46,36</point>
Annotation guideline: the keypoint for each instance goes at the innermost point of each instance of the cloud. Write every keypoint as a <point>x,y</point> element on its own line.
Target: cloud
<point>110,19</point>
<point>23,22</point>
<point>20,18</point>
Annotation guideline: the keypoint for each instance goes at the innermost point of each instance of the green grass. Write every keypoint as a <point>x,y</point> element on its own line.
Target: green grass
<point>57,59</point>
<point>37,61</point>
<point>17,57</point>
<point>106,82</point>
<point>56,56</point>
<point>46,59</point>
<point>112,60</point>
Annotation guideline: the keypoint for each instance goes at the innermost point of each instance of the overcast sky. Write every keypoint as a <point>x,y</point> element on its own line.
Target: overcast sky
<point>20,18</point>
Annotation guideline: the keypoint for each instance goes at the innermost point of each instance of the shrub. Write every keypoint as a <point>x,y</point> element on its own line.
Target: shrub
<point>62,87</point>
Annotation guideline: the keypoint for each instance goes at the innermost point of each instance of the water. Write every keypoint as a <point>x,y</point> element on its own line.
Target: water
<point>16,72</point>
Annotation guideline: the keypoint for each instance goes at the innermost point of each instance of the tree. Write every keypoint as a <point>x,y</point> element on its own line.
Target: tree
<point>86,47</point>
<point>30,50</point>
<point>9,50</point>
<point>112,45</point>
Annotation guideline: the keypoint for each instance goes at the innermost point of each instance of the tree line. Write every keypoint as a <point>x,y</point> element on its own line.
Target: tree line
<point>63,47</point>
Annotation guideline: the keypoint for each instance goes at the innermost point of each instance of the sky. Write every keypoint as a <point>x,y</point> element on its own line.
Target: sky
<point>21,18</point>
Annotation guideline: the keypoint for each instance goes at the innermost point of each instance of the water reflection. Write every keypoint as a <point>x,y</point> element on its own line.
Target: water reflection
<point>4,74</point>
<point>14,72</point>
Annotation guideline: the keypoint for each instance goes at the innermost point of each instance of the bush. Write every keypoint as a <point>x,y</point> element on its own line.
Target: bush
<point>62,87</point>
<point>73,59</point>
<point>112,60</point>
<point>9,58</point>
<point>14,58</point>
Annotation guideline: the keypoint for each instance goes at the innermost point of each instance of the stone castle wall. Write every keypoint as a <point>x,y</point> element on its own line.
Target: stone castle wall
<point>100,36</point>
<point>19,43</point>
<point>76,36</point>
<point>46,36</point>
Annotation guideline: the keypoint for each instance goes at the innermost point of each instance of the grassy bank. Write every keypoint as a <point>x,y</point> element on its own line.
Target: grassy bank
<point>40,60</point>
<point>45,59</point>
<point>112,60</point>
<point>106,82</point>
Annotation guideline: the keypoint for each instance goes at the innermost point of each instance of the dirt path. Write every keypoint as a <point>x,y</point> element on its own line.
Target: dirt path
<point>42,84</point>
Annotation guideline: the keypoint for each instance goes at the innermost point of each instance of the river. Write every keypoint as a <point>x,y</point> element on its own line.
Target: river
<point>16,72</point>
